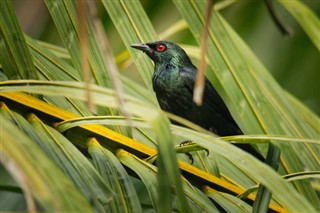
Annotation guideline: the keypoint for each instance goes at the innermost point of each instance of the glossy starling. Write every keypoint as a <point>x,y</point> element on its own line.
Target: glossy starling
<point>173,81</point>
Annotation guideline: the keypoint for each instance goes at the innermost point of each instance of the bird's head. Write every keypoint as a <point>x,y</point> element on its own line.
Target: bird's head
<point>164,52</point>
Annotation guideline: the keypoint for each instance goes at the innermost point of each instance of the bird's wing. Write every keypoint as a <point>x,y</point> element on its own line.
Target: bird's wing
<point>213,100</point>
<point>211,97</point>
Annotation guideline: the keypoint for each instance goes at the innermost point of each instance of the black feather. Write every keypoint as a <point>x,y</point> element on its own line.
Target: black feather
<point>173,82</point>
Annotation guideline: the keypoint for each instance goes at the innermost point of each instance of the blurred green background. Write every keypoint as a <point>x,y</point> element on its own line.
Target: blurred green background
<point>293,61</point>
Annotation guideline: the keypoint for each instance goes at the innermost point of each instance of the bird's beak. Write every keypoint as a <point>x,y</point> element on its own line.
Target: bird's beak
<point>141,46</point>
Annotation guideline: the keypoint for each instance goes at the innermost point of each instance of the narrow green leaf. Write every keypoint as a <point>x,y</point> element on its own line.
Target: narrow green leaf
<point>228,202</point>
<point>133,26</point>
<point>53,68</point>
<point>73,163</point>
<point>295,156</point>
<point>148,174</point>
<point>307,19</point>
<point>255,95</point>
<point>8,66</point>
<point>307,115</point>
<point>40,50</point>
<point>168,162</point>
<point>255,169</point>
<point>108,120</point>
<point>15,43</point>
<point>66,20</point>
<point>138,91</point>
<point>126,199</point>
<point>66,25</point>
<point>65,17</point>
<point>262,201</point>
<point>130,20</point>
<point>285,193</point>
<point>303,175</point>
<point>271,88</point>
<point>56,50</point>
<point>145,171</point>
<point>36,173</point>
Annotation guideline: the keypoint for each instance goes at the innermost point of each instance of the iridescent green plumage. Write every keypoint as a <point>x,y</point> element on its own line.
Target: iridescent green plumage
<point>173,82</point>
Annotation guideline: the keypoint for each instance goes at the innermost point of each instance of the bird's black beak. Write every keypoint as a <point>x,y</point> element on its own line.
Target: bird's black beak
<point>143,47</point>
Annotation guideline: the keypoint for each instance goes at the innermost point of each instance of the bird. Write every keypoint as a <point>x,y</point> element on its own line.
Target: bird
<point>173,81</point>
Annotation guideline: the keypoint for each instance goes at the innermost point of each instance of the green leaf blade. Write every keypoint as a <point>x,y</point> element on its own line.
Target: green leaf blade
<point>15,44</point>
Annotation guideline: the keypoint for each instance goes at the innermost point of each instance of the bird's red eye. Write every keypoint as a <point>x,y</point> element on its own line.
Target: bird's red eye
<point>161,47</point>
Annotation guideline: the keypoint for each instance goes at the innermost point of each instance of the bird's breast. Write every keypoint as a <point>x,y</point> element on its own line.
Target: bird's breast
<point>171,93</point>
